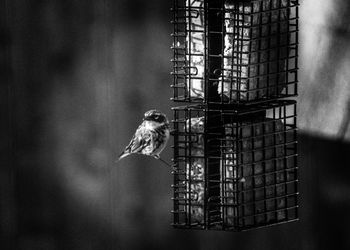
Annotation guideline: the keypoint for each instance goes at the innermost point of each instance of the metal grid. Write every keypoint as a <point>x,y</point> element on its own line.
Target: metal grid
<point>239,52</point>
<point>235,170</point>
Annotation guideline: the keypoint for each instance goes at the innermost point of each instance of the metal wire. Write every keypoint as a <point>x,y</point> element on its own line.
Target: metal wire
<point>236,173</point>
<point>238,52</point>
<point>235,143</point>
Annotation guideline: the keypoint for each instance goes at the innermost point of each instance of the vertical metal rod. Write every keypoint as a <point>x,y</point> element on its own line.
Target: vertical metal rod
<point>296,46</point>
<point>213,124</point>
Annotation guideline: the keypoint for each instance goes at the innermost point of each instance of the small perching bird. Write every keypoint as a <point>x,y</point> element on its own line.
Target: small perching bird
<point>150,137</point>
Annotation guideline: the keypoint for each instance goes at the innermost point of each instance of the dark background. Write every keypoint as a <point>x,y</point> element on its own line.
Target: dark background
<point>76,77</point>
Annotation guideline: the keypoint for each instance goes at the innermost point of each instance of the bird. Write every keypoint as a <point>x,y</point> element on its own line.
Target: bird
<point>151,136</point>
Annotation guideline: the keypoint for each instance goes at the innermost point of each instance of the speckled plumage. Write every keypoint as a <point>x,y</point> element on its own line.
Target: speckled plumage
<point>150,137</point>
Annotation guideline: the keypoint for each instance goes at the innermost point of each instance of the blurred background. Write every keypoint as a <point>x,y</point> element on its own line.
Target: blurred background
<point>78,76</point>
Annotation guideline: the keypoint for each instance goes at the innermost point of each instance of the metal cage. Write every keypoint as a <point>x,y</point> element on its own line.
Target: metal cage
<point>234,51</point>
<point>235,169</point>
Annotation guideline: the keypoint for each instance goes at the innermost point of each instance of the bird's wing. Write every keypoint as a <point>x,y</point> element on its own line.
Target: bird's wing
<point>141,139</point>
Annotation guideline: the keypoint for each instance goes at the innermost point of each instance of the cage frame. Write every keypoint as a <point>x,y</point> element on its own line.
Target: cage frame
<point>184,73</point>
<point>209,202</point>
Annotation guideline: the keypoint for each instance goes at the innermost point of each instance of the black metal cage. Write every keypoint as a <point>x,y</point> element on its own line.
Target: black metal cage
<point>234,51</point>
<point>235,169</point>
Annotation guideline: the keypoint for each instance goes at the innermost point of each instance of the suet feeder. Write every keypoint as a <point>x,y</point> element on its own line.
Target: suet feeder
<point>238,52</point>
<point>235,135</point>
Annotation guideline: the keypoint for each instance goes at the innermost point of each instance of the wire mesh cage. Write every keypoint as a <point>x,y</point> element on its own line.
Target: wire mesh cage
<point>234,51</point>
<point>235,170</point>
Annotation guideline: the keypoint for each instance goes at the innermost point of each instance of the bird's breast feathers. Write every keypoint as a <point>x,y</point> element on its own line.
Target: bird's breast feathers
<point>151,125</point>
<point>149,139</point>
<point>159,133</point>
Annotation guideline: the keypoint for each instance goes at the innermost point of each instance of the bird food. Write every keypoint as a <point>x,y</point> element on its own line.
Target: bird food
<point>256,172</point>
<point>257,50</point>
<point>235,62</point>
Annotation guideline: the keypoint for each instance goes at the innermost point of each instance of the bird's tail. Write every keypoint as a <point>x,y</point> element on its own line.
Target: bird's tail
<point>122,155</point>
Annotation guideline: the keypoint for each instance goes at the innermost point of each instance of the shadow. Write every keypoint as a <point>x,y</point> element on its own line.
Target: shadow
<point>325,190</point>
